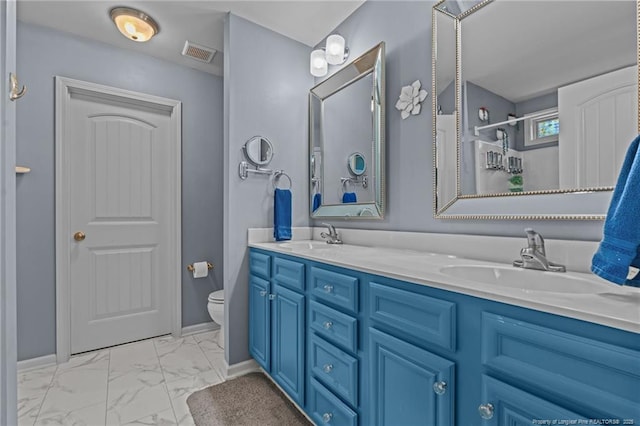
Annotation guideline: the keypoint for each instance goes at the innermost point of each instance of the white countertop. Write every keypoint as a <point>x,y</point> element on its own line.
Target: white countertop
<point>613,305</point>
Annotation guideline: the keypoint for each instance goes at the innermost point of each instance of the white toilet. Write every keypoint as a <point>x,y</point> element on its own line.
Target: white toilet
<point>216,311</point>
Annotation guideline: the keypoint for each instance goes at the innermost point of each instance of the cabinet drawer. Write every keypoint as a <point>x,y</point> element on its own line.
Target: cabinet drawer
<point>335,326</point>
<point>289,273</point>
<point>327,409</point>
<point>260,264</point>
<point>335,368</point>
<point>512,406</point>
<point>416,315</point>
<point>334,288</point>
<point>599,378</point>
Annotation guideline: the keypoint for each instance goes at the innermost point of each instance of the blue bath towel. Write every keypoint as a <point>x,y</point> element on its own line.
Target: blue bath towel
<point>620,245</point>
<point>282,214</point>
<point>349,197</point>
<point>317,200</point>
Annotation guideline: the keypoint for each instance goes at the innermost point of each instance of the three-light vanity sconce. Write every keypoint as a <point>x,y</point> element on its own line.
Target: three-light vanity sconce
<point>335,52</point>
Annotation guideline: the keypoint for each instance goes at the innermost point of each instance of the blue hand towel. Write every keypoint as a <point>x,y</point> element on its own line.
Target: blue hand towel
<point>620,245</point>
<point>349,197</point>
<point>317,200</point>
<point>282,214</point>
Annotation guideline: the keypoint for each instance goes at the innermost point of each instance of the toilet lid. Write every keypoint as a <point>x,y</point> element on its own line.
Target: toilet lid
<point>217,296</point>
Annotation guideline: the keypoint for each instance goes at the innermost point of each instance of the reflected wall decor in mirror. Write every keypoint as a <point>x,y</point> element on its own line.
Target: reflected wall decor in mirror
<point>346,140</point>
<point>535,104</point>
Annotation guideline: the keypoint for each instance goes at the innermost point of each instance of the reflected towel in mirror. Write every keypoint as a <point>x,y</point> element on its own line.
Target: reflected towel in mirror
<point>317,201</point>
<point>349,197</point>
<point>620,246</point>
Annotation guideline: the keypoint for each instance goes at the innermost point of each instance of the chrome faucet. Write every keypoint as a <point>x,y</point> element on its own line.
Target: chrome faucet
<point>332,237</point>
<point>534,256</point>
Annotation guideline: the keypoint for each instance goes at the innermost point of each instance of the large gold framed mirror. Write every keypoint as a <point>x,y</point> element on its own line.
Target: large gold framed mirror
<point>535,104</point>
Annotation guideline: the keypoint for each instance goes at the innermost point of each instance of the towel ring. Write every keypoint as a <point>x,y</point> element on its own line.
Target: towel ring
<point>276,178</point>
<point>345,185</point>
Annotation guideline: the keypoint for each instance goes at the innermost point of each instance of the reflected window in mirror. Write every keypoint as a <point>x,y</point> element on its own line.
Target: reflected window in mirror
<point>541,127</point>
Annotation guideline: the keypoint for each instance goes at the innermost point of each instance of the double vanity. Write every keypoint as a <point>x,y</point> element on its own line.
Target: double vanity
<point>382,335</point>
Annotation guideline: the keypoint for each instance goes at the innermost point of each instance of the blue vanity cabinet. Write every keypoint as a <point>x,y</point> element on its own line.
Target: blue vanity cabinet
<point>509,406</point>
<point>287,341</point>
<point>595,379</point>
<point>277,320</point>
<point>260,308</point>
<point>410,385</point>
<point>260,321</point>
<point>356,349</point>
<point>333,359</point>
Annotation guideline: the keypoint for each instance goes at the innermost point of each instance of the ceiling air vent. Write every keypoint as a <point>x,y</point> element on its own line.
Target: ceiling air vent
<point>198,52</point>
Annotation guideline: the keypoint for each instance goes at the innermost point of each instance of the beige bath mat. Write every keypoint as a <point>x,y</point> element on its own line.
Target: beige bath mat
<point>245,401</point>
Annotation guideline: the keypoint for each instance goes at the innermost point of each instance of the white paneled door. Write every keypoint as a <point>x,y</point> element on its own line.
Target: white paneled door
<point>119,157</point>
<point>599,119</point>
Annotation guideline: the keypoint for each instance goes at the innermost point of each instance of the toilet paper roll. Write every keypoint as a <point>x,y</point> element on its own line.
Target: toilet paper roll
<point>200,270</point>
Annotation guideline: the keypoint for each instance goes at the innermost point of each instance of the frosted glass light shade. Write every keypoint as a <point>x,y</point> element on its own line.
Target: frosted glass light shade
<point>318,63</point>
<point>335,49</point>
<point>134,24</point>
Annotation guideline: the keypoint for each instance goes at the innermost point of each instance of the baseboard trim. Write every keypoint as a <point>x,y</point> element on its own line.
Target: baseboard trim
<point>287,395</point>
<point>199,328</point>
<point>240,368</point>
<point>42,361</point>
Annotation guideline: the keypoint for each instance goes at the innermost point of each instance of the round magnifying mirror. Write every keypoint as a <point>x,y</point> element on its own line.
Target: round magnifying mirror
<point>258,151</point>
<point>357,164</point>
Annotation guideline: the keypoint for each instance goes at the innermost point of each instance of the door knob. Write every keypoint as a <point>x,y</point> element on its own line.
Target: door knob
<point>79,236</point>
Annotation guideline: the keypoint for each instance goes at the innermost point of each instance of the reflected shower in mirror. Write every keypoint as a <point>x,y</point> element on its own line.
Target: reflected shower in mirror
<point>532,98</point>
<point>347,140</point>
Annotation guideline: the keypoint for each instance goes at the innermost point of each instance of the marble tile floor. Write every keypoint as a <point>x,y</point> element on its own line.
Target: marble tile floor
<point>140,383</point>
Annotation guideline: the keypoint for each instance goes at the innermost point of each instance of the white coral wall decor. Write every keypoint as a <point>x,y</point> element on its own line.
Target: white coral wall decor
<point>410,99</point>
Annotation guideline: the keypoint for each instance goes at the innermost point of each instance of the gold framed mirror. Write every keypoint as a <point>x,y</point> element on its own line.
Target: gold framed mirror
<point>532,118</point>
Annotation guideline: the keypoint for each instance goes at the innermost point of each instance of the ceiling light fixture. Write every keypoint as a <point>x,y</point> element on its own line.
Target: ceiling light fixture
<point>335,52</point>
<point>134,24</point>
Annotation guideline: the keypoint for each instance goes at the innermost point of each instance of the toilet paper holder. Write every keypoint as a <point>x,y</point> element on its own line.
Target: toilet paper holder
<point>190,267</point>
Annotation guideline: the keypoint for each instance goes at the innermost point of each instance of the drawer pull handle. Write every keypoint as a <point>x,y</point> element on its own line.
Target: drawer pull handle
<point>327,368</point>
<point>272,296</point>
<point>440,388</point>
<point>263,293</point>
<point>328,325</point>
<point>326,417</point>
<point>486,411</point>
<point>328,288</point>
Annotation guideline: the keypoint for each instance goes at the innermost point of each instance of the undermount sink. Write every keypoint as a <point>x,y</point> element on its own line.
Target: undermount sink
<point>526,280</point>
<point>307,245</point>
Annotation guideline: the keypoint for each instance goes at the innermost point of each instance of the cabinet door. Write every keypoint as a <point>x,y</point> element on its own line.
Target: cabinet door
<point>259,321</point>
<point>504,405</point>
<point>287,329</point>
<point>403,378</point>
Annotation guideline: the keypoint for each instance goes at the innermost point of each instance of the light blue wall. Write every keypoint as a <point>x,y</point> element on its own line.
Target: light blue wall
<point>405,26</point>
<point>498,107</point>
<point>266,84</point>
<point>42,54</point>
